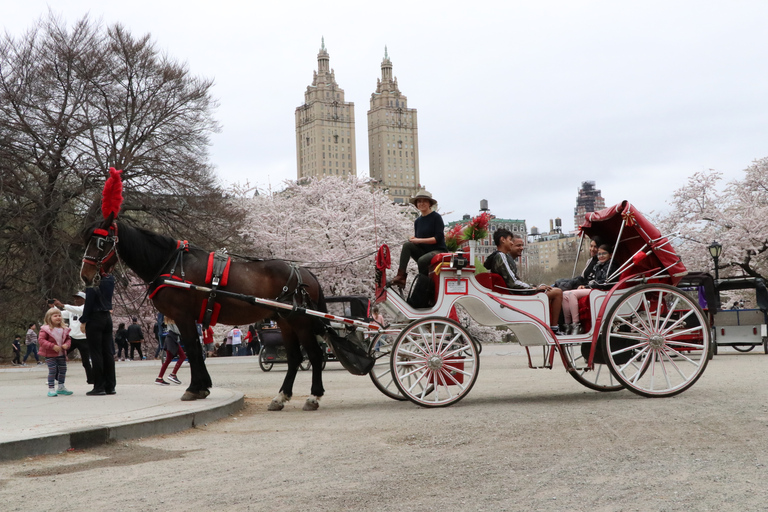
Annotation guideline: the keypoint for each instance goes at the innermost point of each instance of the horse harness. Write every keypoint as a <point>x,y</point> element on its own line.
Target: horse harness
<point>102,238</point>
<point>217,275</point>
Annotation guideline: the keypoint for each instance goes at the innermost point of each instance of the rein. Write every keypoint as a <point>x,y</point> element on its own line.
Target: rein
<point>309,264</point>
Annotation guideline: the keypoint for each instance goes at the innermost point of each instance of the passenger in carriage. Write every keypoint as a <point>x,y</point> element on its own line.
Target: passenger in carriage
<point>601,272</point>
<point>509,246</point>
<point>428,239</point>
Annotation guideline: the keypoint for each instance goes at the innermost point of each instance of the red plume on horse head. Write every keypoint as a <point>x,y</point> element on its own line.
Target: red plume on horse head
<point>112,196</point>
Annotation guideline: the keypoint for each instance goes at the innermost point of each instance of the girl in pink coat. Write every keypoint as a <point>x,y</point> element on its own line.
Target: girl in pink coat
<point>54,341</point>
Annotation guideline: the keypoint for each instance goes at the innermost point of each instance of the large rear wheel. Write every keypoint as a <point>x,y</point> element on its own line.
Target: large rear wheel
<point>656,340</point>
<point>434,362</point>
<point>599,378</point>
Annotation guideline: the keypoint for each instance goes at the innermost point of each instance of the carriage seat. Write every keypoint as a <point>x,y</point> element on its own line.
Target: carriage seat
<point>496,283</point>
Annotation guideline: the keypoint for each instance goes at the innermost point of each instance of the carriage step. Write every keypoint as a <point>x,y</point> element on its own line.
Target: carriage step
<point>540,359</point>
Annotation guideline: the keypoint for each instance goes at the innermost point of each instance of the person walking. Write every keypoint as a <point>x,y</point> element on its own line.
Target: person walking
<point>172,349</point>
<point>71,314</point>
<point>97,318</point>
<point>17,350</point>
<point>54,341</point>
<point>31,342</point>
<point>121,338</point>
<point>135,338</point>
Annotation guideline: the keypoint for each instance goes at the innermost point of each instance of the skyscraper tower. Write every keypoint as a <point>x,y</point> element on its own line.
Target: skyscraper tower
<point>325,126</point>
<point>393,139</point>
<point>588,200</point>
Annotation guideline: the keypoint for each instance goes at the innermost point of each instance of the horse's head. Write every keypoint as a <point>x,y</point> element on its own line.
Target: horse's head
<point>100,254</point>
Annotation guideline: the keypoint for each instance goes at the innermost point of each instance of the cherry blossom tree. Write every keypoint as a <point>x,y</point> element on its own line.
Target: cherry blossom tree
<point>333,225</point>
<point>736,215</point>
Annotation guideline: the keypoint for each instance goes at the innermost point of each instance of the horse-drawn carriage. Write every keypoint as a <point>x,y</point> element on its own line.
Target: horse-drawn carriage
<point>642,333</point>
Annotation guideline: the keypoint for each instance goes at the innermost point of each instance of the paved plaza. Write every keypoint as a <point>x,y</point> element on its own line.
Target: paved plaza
<point>521,440</point>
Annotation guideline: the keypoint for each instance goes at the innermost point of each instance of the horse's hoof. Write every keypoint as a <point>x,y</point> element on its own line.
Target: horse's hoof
<point>311,404</point>
<point>188,396</point>
<point>203,393</point>
<point>274,405</point>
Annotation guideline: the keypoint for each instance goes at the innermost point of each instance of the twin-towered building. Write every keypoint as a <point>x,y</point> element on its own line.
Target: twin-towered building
<point>325,132</point>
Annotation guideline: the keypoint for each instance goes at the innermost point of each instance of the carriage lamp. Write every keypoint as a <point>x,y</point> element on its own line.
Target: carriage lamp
<point>715,249</point>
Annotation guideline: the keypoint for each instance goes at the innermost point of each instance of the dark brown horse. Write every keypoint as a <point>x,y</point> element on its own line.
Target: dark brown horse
<point>151,255</point>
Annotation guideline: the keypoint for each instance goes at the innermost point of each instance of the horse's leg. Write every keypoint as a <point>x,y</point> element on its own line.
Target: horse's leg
<point>315,355</point>
<point>200,380</point>
<point>293,352</point>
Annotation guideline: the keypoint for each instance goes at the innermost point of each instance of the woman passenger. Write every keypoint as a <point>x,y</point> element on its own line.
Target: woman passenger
<point>600,273</point>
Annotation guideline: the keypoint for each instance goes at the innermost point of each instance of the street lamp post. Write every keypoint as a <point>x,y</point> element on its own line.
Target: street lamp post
<point>715,249</point>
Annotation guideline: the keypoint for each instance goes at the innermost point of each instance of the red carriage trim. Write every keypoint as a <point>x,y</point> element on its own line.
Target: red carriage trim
<point>100,232</point>
<point>162,278</point>
<point>214,315</point>
<point>209,272</point>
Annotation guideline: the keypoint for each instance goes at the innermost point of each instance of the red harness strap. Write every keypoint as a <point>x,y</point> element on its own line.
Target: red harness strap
<point>209,278</point>
<point>171,278</point>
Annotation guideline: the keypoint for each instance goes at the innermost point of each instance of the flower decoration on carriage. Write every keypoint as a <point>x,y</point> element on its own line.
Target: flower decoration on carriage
<point>477,229</point>
<point>629,217</point>
<point>453,237</point>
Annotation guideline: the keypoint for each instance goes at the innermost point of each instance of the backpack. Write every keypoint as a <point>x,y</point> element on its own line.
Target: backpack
<point>421,294</point>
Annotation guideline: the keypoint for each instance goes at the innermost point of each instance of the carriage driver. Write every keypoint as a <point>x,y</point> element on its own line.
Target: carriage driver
<point>509,246</point>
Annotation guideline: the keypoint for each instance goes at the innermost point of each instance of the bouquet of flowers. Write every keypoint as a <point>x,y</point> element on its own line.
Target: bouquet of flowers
<point>477,229</point>
<point>453,237</point>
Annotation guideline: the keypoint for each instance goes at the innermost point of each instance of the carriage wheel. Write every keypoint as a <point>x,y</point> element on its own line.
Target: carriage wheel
<point>657,340</point>
<point>265,366</point>
<point>434,362</point>
<point>381,373</point>
<point>600,378</point>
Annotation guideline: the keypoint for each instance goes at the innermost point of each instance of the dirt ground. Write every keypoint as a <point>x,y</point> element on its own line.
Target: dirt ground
<point>522,440</point>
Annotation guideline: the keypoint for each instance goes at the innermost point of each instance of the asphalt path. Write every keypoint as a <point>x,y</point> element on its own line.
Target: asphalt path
<point>521,440</point>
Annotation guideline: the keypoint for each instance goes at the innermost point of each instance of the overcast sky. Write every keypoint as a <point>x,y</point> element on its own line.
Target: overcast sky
<point>518,102</point>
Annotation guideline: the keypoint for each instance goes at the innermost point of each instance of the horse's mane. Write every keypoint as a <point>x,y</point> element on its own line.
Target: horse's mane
<point>147,249</point>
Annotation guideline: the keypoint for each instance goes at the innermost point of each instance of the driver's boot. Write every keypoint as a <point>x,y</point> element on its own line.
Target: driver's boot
<point>399,279</point>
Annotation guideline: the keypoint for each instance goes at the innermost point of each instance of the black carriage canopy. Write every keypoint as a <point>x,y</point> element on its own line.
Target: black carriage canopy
<point>637,241</point>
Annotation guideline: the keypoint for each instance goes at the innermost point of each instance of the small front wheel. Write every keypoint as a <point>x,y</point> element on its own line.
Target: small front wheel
<point>263,363</point>
<point>434,362</point>
<point>381,373</point>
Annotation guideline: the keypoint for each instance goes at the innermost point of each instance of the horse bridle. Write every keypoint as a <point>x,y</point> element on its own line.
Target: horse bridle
<point>104,238</point>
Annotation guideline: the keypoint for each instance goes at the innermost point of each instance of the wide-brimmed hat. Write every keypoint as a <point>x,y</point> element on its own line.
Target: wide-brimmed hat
<point>79,294</point>
<point>422,194</point>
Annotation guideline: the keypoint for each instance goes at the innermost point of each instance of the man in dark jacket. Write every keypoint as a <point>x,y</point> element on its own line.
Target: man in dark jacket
<point>97,317</point>
<point>509,247</point>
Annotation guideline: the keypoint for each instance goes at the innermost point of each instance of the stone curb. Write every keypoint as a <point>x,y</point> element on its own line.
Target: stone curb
<point>105,434</point>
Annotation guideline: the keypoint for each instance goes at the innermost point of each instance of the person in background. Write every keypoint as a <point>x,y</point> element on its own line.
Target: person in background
<point>121,338</point>
<point>208,340</point>
<point>31,342</point>
<point>172,349</point>
<point>254,344</point>
<point>97,318</point>
<point>54,341</point>
<point>234,340</point>
<point>17,350</point>
<point>71,314</point>
<point>135,338</point>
